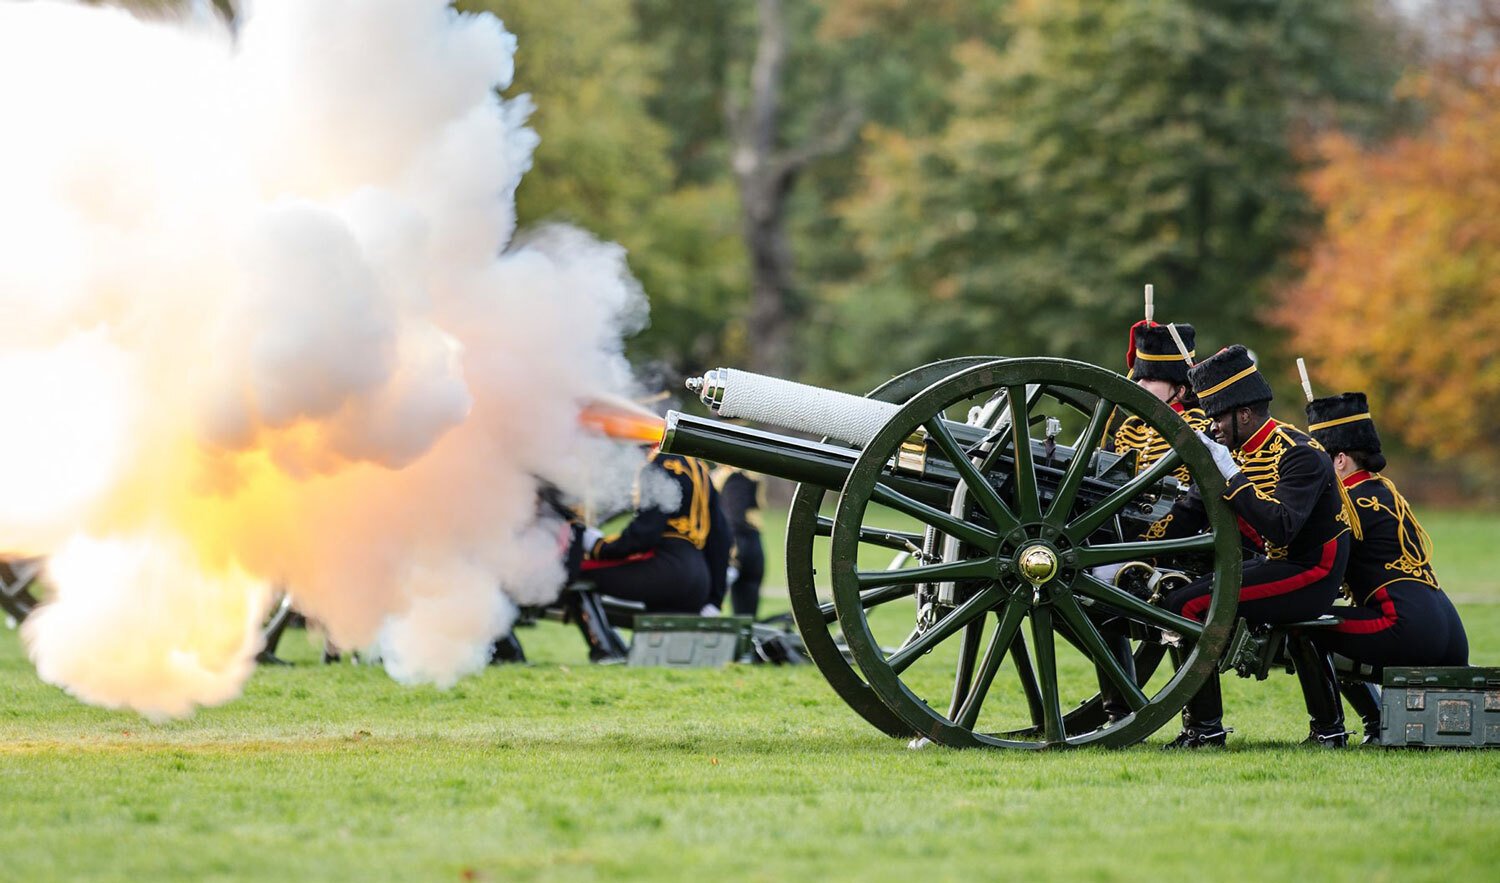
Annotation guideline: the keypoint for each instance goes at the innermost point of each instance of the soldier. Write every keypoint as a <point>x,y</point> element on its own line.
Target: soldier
<point>1156,364</point>
<point>659,558</point>
<point>1153,361</point>
<point>743,494</point>
<point>1282,487</point>
<point>1400,615</point>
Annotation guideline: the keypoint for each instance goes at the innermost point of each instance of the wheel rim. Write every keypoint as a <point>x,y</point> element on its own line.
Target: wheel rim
<point>1029,566</point>
<point>808,612</point>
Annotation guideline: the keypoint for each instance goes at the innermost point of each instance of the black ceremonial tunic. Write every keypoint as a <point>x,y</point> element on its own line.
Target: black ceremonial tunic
<point>1134,434</point>
<point>660,557</point>
<point>1400,616</point>
<point>1291,518</point>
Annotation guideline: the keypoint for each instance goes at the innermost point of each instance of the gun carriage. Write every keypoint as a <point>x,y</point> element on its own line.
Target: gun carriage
<point>1014,513</point>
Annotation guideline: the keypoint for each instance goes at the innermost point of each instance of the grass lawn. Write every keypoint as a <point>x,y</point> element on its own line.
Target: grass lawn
<point>560,770</point>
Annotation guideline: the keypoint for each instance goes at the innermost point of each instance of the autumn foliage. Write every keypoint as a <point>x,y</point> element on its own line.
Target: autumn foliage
<point>1401,295</point>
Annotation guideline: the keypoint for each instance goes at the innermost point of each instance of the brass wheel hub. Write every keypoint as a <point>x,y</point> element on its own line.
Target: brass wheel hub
<point>1038,564</point>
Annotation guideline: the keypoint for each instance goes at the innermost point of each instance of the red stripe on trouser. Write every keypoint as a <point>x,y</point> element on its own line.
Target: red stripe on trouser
<point>1386,620</point>
<point>1194,609</point>
<point>602,563</point>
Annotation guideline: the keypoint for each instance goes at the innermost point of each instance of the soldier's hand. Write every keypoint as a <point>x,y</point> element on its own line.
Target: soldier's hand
<point>1222,456</point>
<point>591,537</point>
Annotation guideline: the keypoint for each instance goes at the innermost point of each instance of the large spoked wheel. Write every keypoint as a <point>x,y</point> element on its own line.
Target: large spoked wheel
<point>1028,541</point>
<point>816,619</point>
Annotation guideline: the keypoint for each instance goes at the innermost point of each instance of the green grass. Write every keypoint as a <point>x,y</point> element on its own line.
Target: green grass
<point>565,771</point>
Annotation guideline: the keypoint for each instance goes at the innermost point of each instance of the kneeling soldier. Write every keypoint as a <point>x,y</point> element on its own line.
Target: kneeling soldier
<point>1156,364</point>
<point>1400,616</point>
<point>1282,487</point>
<point>660,558</point>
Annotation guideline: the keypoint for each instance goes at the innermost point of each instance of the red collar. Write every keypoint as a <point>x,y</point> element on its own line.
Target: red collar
<point>1260,436</point>
<point>1177,406</point>
<point>1355,478</point>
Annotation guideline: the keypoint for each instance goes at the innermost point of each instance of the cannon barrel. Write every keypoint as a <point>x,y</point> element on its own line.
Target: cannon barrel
<point>794,459</point>
<point>919,471</point>
<point>744,395</point>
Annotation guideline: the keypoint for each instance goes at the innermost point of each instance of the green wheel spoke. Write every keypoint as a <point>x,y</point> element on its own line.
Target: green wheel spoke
<point>983,492</point>
<point>972,534</point>
<point>1021,659</point>
<point>1006,631</point>
<point>1098,650</point>
<point>1092,587</point>
<point>1028,504</point>
<point>1046,674</point>
<point>963,670</point>
<point>970,568</point>
<point>1111,553</point>
<point>1079,529</point>
<point>899,540</point>
<point>961,616</point>
<point>1067,491</point>
<point>869,599</point>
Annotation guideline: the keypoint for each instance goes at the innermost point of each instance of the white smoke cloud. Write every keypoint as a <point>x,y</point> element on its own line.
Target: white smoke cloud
<point>266,320</point>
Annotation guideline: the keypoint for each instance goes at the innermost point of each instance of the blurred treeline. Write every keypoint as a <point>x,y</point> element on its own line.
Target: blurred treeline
<point>1018,169</point>
<point>841,189</point>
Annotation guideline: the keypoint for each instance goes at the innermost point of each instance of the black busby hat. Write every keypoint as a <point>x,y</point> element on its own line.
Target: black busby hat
<point>1227,380</point>
<point>1155,355</point>
<point>1342,423</point>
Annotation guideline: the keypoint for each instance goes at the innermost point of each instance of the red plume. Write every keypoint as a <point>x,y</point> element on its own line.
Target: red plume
<point>1130,353</point>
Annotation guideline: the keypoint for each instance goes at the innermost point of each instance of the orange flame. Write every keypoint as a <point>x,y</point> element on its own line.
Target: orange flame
<point>624,424</point>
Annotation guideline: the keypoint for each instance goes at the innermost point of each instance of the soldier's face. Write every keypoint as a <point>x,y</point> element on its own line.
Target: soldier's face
<point>1162,389</point>
<point>1223,427</point>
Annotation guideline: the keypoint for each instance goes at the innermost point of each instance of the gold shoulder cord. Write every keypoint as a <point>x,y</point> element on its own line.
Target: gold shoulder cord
<point>1349,514</point>
<point>1416,545</point>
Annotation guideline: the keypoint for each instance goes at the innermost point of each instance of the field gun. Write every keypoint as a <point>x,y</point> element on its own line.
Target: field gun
<point>1005,512</point>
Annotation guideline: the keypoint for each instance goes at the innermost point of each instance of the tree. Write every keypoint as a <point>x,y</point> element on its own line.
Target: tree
<point>605,164</point>
<point>1401,295</point>
<point>1093,148</point>
<point>766,169</point>
<point>836,61</point>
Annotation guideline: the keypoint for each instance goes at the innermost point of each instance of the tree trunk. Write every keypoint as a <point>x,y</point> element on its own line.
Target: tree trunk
<point>765,175</point>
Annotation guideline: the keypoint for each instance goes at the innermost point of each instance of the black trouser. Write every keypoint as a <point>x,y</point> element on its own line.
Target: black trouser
<point>674,579</point>
<point>1271,592</point>
<point>744,594</point>
<point>1402,623</point>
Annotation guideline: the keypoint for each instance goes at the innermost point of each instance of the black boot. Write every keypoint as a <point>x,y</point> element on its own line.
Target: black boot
<point>605,644</point>
<point>507,649</point>
<point>1364,698</point>
<point>1203,718</point>
<point>272,633</point>
<point>1320,691</point>
<point>1115,707</point>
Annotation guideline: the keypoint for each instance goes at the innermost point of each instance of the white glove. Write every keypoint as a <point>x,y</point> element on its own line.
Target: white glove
<point>1222,457</point>
<point>591,536</point>
<point>1105,573</point>
<point>731,575</point>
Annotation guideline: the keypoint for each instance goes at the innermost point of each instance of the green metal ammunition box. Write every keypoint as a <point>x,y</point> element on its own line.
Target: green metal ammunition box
<point>1441,707</point>
<point>689,641</point>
